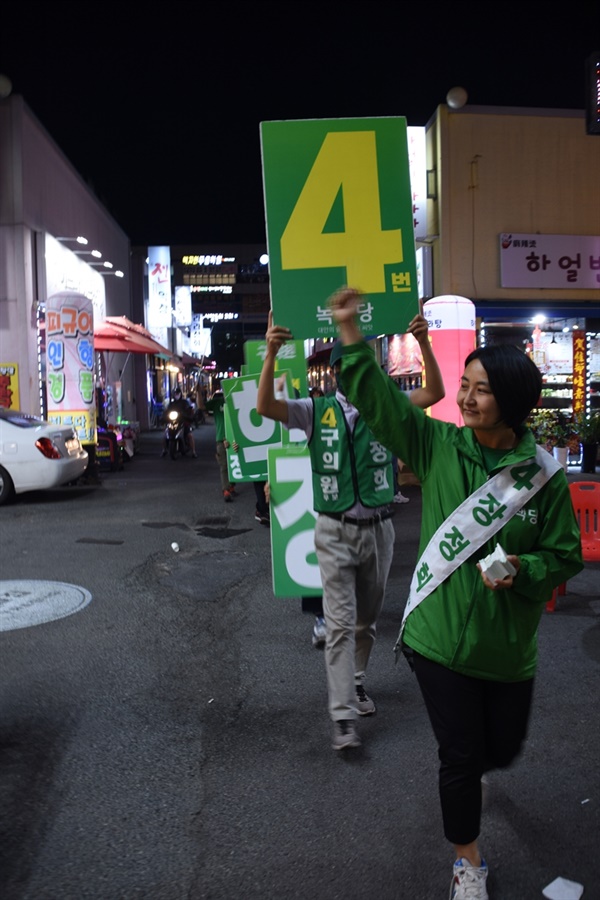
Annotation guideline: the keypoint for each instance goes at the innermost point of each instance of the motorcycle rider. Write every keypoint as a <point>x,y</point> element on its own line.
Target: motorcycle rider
<point>180,404</point>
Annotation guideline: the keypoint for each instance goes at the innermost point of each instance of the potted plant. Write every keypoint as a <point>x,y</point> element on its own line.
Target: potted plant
<point>587,428</point>
<point>553,430</point>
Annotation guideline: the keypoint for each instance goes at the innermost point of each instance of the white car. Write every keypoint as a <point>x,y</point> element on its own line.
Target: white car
<point>35,455</point>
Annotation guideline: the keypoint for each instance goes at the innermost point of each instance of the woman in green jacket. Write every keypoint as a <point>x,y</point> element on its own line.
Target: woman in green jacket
<point>469,632</point>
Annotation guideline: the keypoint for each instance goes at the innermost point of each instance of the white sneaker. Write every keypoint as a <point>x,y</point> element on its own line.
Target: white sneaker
<point>344,735</point>
<point>468,882</point>
<point>400,498</point>
<point>319,632</point>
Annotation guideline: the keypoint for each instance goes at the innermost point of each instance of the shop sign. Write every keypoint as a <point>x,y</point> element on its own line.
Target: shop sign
<point>200,337</point>
<point>579,373</point>
<point>183,306</point>
<point>339,211</point>
<point>69,363</point>
<point>550,261</point>
<point>9,386</point>
<point>159,287</point>
<point>417,161</point>
<point>293,556</point>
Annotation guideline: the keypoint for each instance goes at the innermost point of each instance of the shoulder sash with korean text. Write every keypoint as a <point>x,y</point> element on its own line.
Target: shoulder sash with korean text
<point>475,521</point>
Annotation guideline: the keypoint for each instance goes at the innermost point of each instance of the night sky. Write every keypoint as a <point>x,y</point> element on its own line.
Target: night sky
<point>158,107</point>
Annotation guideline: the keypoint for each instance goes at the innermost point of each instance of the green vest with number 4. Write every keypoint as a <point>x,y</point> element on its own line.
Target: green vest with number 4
<point>347,467</point>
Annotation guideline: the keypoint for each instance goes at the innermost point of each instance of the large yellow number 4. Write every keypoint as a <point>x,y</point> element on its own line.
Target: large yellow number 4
<point>347,160</point>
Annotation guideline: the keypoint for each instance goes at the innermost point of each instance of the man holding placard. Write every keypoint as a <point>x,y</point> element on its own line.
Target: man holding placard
<point>353,490</point>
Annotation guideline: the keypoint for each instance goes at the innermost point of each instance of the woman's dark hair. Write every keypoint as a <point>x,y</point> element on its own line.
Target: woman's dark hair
<point>515,381</point>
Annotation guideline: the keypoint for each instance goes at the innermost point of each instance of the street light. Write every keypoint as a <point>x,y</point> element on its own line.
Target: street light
<point>80,240</point>
<point>95,253</point>
<point>106,264</point>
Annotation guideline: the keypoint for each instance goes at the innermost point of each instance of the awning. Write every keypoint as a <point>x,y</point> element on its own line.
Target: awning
<point>191,361</point>
<point>114,336</point>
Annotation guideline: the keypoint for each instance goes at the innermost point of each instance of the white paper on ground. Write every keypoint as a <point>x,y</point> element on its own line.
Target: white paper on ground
<point>563,889</point>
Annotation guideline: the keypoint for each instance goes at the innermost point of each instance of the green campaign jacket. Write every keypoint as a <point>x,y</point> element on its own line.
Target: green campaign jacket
<point>463,625</point>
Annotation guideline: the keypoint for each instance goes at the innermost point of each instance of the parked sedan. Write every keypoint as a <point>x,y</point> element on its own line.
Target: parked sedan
<point>35,455</point>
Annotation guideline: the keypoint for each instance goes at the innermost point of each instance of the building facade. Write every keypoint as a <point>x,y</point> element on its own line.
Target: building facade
<point>513,216</point>
<point>45,206</point>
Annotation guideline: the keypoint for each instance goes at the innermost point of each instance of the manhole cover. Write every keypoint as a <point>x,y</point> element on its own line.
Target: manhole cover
<point>27,603</point>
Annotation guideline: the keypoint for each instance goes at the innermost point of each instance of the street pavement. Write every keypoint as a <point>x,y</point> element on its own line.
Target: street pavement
<point>170,741</point>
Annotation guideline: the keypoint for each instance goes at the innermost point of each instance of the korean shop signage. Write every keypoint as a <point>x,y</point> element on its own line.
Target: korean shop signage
<point>550,261</point>
<point>9,386</point>
<point>339,211</point>
<point>69,363</point>
<point>159,287</point>
<point>579,371</point>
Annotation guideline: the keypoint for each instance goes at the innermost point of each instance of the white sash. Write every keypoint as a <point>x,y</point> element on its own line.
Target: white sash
<point>477,519</point>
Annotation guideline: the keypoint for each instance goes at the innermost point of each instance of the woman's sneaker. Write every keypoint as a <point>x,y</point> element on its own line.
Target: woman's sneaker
<point>468,882</point>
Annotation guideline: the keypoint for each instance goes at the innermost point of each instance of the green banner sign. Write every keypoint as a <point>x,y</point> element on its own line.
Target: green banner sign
<point>293,557</point>
<point>252,433</point>
<point>290,357</point>
<point>339,211</point>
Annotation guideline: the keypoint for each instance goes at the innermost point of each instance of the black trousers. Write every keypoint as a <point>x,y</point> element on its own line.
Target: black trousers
<point>479,725</point>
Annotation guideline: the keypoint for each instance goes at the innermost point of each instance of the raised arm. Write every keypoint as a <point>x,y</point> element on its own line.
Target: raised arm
<point>266,402</point>
<point>344,305</point>
<point>433,389</point>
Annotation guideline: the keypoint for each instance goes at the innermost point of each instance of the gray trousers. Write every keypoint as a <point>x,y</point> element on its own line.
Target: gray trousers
<point>354,564</point>
<point>222,460</point>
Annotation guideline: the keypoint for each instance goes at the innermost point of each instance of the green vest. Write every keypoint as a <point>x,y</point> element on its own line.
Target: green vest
<point>338,481</point>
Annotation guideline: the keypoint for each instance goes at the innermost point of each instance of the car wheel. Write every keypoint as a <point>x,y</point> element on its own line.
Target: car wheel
<point>7,488</point>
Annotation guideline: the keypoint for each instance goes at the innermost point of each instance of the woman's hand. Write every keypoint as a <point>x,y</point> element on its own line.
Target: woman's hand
<point>344,304</point>
<point>419,328</point>
<point>503,584</point>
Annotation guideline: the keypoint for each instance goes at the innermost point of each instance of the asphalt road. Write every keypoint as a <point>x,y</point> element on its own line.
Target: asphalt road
<point>170,741</point>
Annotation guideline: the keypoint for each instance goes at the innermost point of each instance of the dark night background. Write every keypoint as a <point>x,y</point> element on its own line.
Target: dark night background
<point>158,107</point>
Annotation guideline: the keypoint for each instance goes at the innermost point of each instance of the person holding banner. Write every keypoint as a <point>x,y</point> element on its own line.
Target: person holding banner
<point>470,636</point>
<point>216,405</point>
<point>354,538</point>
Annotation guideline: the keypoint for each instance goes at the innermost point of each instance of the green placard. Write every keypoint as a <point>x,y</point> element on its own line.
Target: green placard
<point>252,433</point>
<point>293,557</point>
<point>290,356</point>
<point>339,211</point>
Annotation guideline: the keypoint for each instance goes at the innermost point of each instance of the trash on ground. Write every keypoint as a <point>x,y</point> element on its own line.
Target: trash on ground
<point>563,889</point>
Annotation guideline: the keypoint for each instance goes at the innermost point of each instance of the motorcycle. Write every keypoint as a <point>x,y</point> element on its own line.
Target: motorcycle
<point>176,434</point>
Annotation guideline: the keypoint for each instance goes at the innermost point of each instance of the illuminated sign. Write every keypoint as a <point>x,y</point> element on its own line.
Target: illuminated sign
<point>206,259</point>
<point>579,372</point>
<point>220,317</point>
<point>9,386</point>
<point>159,287</point>
<point>183,306</point>
<point>212,288</point>
<point>69,363</point>
<point>417,165</point>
